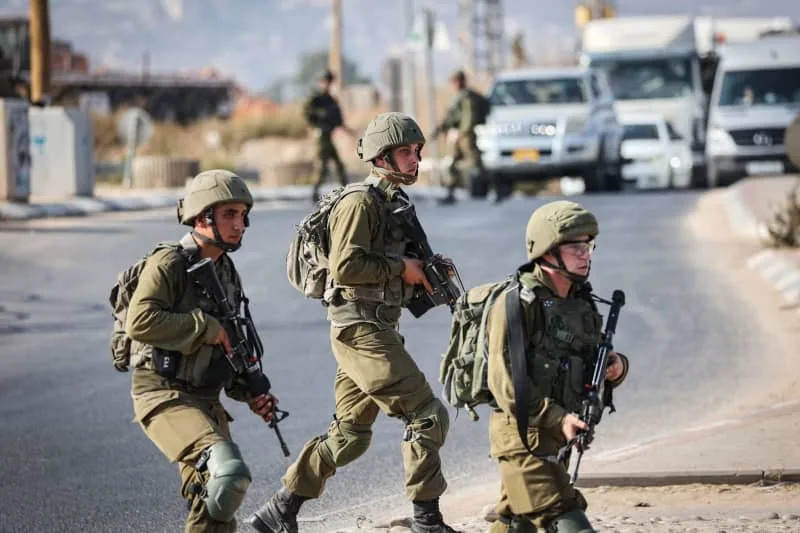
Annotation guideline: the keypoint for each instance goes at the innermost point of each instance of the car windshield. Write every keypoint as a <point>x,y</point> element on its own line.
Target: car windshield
<point>644,79</point>
<point>777,86</point>
<point>543,91</point>
<point>639,131</point>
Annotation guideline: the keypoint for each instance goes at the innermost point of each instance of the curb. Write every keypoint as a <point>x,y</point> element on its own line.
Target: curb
<point>88,206</point>
<point>710,477</point>
<point>773,266</point>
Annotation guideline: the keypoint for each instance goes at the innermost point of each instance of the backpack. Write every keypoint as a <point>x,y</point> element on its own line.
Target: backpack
<point>120,298</point>
<point>307,258</point>
<point>480,107</point>
<point>463,370</point>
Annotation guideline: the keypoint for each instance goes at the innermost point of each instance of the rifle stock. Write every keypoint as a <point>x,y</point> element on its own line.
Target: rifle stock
<point>245,356</point>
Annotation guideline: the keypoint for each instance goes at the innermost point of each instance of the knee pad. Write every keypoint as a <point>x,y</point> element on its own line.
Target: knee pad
<point>429,425</point>
<point>574,521</point>
<point>228,480</point>
<point>347,442</point>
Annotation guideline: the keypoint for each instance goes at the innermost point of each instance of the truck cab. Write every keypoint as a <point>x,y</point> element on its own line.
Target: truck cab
<point>756,96</point>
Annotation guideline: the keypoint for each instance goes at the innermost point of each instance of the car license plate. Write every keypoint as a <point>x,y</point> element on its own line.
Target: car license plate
<point>764,167</point>
<point>528,154</point>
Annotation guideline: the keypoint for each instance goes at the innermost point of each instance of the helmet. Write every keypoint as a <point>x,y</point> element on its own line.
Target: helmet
<point>555,222</point>
<point>458,76</point>
<point>208,189</point>
<point>327,75</point>
<point>386,131</point>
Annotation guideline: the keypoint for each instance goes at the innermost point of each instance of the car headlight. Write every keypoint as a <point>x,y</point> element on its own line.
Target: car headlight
<point>720,141</point>
<point>675,162</point>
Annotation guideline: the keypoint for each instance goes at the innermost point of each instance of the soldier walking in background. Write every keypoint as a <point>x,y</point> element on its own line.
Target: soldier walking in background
<point>323,115</point>
<point>372,280</point>
<point>467,110</point>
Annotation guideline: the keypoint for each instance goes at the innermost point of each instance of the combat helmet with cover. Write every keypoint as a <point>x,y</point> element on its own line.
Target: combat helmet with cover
<point>387,131</point>
<point>208,189</point>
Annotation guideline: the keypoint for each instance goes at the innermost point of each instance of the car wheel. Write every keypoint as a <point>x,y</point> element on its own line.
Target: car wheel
<point>478,185</point>
<point>503,186</point>
<point>700,177</point>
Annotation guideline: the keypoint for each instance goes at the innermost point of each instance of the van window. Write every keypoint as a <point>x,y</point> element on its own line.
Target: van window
<point>777,86</point>
<point>639,131</point>
<point>544,91</point>
<point>646,78</point>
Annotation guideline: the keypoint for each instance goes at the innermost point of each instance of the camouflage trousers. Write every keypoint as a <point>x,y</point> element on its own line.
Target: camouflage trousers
<point>182,430</point>
<point>375,373</point>
<point>466,149</point>
<point>531,489</point>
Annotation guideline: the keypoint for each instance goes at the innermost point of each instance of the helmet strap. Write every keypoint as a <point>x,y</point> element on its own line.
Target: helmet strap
<point>561,267</point>
<point>217,240</point>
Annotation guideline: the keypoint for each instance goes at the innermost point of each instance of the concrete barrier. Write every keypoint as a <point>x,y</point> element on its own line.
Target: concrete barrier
<point>151,171</point>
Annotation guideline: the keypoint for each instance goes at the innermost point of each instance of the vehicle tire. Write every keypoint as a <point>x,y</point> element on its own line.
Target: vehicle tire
<point>613,177</point>
<point>594,177</point>
<point>503,187</point>
<point>700,178</point>
<point>478,185</point>
<point>712,175</point>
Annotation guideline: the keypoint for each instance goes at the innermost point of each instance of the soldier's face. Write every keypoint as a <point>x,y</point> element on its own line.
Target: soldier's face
<point>406,158</point>
<point>229,219</point>
<point>577,254</point>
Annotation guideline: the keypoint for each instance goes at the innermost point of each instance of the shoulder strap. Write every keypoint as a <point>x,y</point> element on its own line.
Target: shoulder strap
<point>519,367</point>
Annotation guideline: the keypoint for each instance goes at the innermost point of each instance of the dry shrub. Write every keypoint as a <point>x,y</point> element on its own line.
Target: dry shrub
<point>784,229</point>
<point>286,121</point>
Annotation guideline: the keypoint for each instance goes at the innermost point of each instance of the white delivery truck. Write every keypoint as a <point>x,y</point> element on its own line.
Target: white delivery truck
<point>653,64</point>
<point>756,96</point>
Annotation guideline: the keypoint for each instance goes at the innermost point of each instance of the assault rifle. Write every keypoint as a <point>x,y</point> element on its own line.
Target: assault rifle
<point>596,402</point>
<point>436,268</point>
<point>247,349</point>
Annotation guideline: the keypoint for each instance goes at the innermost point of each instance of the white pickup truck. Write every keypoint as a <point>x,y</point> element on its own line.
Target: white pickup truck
<point>548,122</point>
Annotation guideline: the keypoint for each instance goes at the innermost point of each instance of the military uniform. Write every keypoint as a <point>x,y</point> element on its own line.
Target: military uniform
<point>182,413</point>
<point>463,116</point>
<point>561,339</point>
<point>323,114</point>
<point>374,372</point>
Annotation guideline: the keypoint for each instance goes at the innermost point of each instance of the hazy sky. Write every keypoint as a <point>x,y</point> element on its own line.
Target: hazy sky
<point>259,41</point>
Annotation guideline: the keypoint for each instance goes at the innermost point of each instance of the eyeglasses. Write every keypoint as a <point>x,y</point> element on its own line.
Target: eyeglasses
<point>578,248</point>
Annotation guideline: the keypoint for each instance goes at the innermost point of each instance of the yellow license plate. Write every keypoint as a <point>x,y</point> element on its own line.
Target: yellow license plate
<point>528,154</point>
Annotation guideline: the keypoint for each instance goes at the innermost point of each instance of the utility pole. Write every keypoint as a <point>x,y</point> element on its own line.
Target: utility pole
<point>335,54</point>
<point>430,83</point>
<point>409,71</point>
<point>40,51</point>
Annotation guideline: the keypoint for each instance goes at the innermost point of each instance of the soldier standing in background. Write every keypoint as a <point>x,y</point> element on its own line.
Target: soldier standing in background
<point>468,109</point>
<point>323,114</point>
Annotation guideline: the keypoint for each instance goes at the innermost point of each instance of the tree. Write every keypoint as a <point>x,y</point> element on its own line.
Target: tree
<point>314,64</point>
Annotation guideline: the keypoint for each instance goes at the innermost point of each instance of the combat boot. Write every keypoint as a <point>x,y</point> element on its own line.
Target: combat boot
<point>428,518</point>
<point>279,514</point>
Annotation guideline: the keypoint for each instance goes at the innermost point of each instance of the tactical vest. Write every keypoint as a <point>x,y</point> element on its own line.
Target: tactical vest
<point>561,356</point>
<point>379,303</point>
<point>207,368</point>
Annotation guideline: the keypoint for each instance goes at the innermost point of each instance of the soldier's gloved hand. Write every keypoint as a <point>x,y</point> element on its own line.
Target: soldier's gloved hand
<point>571,425</point>
<point>223,340</point>
<point>413,274</point>
<point>263,405</point>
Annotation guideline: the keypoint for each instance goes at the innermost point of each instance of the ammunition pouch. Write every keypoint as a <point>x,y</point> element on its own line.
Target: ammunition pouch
<point>166,362</point>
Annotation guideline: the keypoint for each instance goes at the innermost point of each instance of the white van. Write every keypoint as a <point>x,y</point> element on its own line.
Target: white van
<point>756,96</point>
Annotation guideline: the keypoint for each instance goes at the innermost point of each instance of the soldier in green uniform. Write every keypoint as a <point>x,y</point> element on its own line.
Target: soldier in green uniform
<point>562,331</point>
<point>372,281</point>
<point>467,110</point>
<point>323,114</point>
<point>178,406</point>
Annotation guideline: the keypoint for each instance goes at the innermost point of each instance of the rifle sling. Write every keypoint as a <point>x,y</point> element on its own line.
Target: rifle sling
<point>519,369</point>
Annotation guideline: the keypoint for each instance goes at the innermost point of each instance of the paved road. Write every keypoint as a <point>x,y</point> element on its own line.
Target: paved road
<point>72,461</point>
